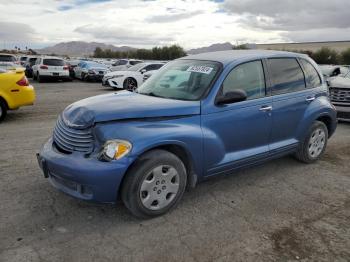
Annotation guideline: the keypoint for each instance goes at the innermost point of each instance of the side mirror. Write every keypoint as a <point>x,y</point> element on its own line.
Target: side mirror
<point>143,71</point>
<point>232,97</point>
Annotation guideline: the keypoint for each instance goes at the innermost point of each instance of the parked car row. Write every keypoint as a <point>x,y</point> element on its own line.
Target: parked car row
<point>131,78</point>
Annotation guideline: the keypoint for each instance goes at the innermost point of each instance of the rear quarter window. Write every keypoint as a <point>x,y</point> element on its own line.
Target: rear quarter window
<point>287,75</point>
<point>312,78</point>
<point>53,62</point>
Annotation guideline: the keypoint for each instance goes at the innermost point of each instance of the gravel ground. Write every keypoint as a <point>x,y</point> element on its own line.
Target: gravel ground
<point>281,211</point>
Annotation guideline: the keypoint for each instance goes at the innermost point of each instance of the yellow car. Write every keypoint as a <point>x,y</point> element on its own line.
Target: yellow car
<point>15,91</point>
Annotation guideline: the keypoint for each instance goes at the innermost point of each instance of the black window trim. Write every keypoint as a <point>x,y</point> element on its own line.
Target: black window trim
<point>219,93</point>
<point>304,71</point>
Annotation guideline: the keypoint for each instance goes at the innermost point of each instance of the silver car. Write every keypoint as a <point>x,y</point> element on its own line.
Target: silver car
<point>339,89</point>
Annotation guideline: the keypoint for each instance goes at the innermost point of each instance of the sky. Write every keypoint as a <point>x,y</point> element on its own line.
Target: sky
<point>189,23</point>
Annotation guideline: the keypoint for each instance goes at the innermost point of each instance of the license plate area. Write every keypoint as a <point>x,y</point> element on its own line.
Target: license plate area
<point>55,74</point>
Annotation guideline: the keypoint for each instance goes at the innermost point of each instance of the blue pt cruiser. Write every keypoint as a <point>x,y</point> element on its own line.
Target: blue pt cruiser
<point>197,117</point>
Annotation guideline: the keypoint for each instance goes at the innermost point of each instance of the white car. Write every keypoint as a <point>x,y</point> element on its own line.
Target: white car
<point>49,67</point>
<point>8,61</point>
<point>330,71</point>
<point>124,64</point>
<point>129,79</point>
<point>148,74</point>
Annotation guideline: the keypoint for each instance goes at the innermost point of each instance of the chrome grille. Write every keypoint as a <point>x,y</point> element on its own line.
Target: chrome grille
<point>69,139</point>
<point>340,94</point>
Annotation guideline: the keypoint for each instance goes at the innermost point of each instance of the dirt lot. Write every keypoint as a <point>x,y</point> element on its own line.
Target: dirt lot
<point>282,211</point>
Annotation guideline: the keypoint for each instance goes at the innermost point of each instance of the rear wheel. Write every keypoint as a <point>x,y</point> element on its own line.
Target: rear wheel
<point>154,185</point>
<point>3,110</point>
<point>314,145</point>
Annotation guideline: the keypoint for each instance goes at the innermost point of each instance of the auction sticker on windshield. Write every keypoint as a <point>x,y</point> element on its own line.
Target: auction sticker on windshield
<point>200,69</point>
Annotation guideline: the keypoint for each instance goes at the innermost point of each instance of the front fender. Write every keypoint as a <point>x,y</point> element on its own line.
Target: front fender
<point>146,134</point>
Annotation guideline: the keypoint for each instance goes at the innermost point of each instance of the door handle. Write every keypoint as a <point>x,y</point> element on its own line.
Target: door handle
<point>265,108</point>
<point>310,98</point>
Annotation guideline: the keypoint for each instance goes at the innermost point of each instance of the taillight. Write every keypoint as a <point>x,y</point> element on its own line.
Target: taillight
<point>23,82</point>
<point>44,67</point>
<point>65,68</point>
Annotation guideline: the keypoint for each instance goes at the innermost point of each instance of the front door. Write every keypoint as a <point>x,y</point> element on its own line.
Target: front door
<point>237,134</point>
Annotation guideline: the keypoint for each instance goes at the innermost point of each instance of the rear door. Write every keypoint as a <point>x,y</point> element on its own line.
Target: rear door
<point>290,101</point>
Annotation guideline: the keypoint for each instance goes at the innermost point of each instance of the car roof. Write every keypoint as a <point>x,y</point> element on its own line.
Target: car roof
<point>51,57</point>
<point>7,54</point>
<point>226,57</point>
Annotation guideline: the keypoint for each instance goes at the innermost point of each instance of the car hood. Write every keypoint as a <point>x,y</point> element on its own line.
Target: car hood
<point>98,68</point>
<point>341,82</point>
<point>125,105</point>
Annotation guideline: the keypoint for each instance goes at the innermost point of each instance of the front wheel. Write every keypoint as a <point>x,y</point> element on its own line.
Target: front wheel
<point>154,185</point>
<point>130,84</point>
<point>314,145</point>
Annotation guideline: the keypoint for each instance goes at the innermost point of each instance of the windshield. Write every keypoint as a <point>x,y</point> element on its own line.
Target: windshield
<point>136,67</point>
<point>181,79</point>
<point>53,62</point>
<point>7,58</point>
<point>96,65</point>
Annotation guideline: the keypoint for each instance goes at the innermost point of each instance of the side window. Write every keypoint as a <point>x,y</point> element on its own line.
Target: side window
<point>248,77</point>
<point>311,76</point>
<point>122,62</point>
<point>286,74</point>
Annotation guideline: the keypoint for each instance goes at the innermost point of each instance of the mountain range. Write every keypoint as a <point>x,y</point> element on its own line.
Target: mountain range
<point>80,48</point>
<point>211,48</point>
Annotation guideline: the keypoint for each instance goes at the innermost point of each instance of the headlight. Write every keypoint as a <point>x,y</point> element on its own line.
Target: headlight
<point>92,72</point>
<point>114,150</point>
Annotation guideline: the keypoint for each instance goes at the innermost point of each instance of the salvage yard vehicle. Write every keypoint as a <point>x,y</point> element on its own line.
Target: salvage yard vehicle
<point>124,64</point>
<point>131,78</point>
<point>197,117</point>
<point>88,70</point>
<point>15,91</point>
<point>8,61</point>
<point>50,67</point>
<point>339,88</point>
<point>71,65</point>
<point>329,71</point>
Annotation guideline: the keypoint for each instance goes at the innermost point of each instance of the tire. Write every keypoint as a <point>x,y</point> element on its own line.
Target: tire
<point>314,144</point>
<point>3,110</point>
<point>39,78</point>
<point>163,177</point>
<point>130,84</point>
<point>83,78</point>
